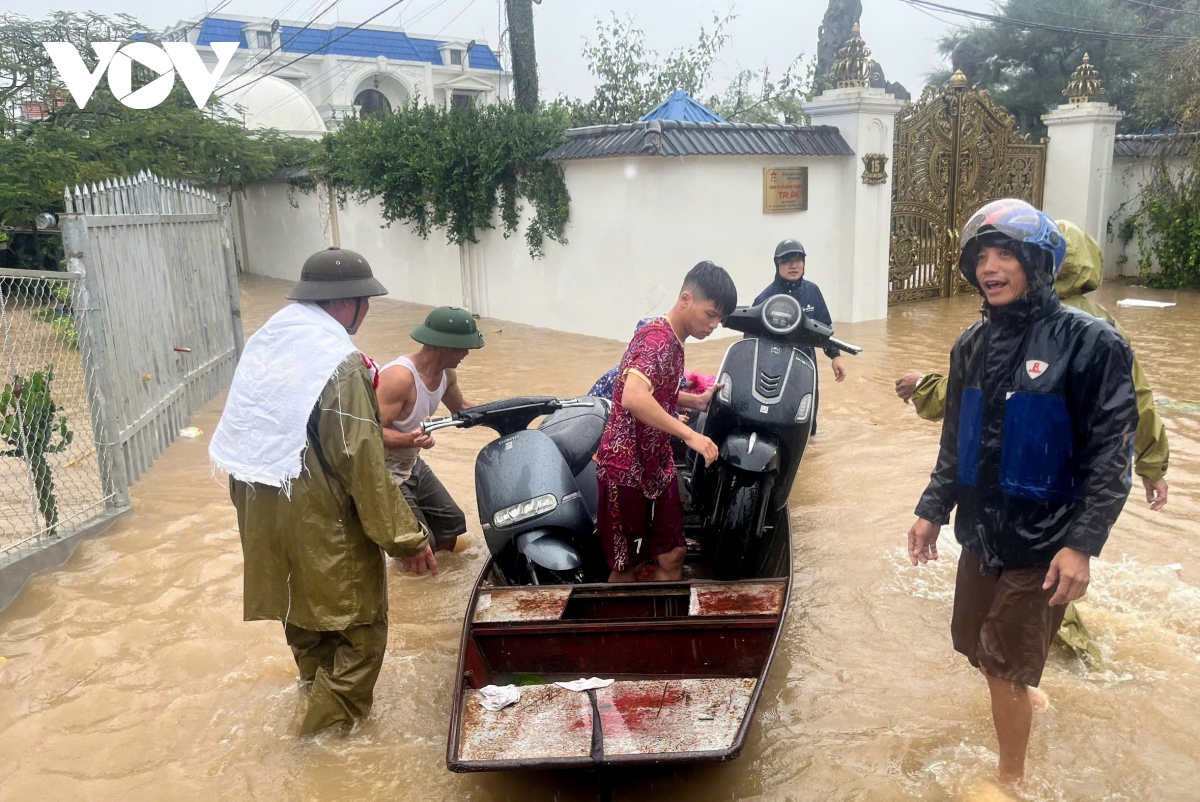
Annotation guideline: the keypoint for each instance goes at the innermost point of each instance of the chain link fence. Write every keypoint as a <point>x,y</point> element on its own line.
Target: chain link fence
<point>50,456</point>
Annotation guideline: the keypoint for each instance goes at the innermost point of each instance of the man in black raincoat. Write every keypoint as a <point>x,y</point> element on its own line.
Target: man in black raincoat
<point>1035,454</point>
<point>789,280</point>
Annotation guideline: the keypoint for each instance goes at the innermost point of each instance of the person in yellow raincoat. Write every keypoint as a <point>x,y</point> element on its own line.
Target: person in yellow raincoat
<point>1082,272</point>
<point>316,507</point>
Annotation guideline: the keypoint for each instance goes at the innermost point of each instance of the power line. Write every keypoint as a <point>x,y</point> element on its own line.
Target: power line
<point>1164,8</point>
<point>346,69</point>
<point>282,44</point>
<point>1007,21</point>
<point>306,16</point>
<point>262,60</point>
<point>200,21</point>
<point>327,44</point>
<point>346,76</point>
<point>428,11</point>
<point>1025,4</point>
<point>456,16</point>
<point>296,35</point>
<point>419,14</point>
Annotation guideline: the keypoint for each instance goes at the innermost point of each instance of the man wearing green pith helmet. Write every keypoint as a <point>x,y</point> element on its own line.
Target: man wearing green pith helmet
<point>410,390</point>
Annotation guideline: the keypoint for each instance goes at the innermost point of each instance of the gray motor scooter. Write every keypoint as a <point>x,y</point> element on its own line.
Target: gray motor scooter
<point>536,489</point>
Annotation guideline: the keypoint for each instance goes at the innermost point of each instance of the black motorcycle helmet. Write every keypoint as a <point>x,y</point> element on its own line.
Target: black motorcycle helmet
<point>788,248</point>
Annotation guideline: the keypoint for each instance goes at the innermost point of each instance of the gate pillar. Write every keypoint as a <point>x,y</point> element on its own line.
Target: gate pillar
<point>866,119</point>
<point>1079,155</point>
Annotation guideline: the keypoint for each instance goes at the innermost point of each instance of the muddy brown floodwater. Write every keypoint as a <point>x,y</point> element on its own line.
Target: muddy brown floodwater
<point>130,673</point>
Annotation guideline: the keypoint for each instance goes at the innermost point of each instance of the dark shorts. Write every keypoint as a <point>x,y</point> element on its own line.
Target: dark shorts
<point>634,528</point>
<point>1003,621</point>
<point>433,505</point>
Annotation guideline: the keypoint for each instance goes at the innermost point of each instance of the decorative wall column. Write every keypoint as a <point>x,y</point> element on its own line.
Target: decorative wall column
<point>1079,154</point>
<point>866,118</point>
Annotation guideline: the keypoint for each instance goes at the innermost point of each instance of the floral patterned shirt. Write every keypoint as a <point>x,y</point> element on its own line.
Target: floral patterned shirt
<point>631,453</point>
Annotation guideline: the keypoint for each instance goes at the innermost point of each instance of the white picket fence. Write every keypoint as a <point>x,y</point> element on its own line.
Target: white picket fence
<point>158,262</point>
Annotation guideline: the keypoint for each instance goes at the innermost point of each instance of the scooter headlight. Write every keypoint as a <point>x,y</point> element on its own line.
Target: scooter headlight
<point>725,394</point>
<point>805,408</point>
<point>525,510</point>
<point>781,314</point>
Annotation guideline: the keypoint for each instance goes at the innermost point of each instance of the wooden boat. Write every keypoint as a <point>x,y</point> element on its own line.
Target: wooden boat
<point>689,660</point>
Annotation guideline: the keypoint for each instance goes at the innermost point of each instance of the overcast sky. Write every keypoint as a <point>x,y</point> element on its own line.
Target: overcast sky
<point>766,32</point>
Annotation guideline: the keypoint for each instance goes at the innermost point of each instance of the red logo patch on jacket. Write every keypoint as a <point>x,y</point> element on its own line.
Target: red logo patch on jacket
<point>1036,367</point>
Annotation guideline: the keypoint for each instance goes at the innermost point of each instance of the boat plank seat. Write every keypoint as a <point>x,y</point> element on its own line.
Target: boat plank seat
<point>556,602</point>
<point>548,721</point>
<point>544,603</point>
<point>645,717</point>
<point>737,598</point>
<point>637,717</point>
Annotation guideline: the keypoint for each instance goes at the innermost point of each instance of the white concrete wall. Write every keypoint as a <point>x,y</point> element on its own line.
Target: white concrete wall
<point>279,237</point>
<point>637,226</point>
<point>413,269</point>
<point>1122,199</point>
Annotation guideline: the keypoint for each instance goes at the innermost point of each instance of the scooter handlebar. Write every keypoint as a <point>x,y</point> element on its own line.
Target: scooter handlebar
<point>433,425</point>
<point>847,347</point>
<point>486,413</point>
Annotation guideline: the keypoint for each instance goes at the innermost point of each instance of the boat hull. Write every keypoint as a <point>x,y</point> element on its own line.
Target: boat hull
<point>687,660</point>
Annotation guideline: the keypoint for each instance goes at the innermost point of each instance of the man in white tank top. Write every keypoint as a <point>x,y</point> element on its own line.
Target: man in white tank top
<point>410,390</point>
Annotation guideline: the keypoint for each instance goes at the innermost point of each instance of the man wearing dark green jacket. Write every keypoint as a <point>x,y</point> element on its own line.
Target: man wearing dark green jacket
<point>317,509</point>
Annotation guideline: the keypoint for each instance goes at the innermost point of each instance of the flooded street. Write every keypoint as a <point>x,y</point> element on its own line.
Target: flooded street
<point>130,673</point>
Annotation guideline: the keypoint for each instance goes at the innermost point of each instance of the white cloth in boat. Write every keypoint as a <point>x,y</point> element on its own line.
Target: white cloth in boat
<point>498,697</point>
<point>580,685</point>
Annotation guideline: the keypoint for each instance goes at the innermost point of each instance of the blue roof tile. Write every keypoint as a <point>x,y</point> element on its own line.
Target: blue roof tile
<point>215,29</point>
<point>680,106</point>
<point>482,58</point>
<point>301,40</point>
<point>427,49</point>
<point>344,40</point>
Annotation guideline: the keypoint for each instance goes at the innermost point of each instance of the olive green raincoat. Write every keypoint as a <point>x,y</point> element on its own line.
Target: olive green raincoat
<point>315,559</point>
<point>1082,272</point>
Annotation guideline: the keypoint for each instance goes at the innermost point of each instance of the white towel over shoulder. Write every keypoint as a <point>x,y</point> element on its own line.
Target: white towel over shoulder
<point>284,367</point>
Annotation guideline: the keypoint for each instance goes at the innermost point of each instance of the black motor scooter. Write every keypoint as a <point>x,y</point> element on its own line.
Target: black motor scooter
<point>536,489</point>
<point>760,420</point>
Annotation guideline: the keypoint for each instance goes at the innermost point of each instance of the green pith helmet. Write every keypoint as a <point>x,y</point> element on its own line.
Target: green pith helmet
<point>335,273</point>
<point>449,327</point>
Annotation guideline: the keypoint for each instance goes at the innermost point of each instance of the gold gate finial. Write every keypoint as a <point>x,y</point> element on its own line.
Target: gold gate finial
<point>958,80</point>
<point>1085,83</point>
<point>853,66</point>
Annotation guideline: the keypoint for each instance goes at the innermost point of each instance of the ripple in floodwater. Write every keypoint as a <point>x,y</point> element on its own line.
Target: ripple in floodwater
<point>130,674</point>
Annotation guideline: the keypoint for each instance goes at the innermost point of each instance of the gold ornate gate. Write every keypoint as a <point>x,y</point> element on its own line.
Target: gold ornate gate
<point>954,152</point>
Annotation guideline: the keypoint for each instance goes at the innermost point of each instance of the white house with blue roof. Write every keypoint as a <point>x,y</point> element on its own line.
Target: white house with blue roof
<point>339,71</point>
